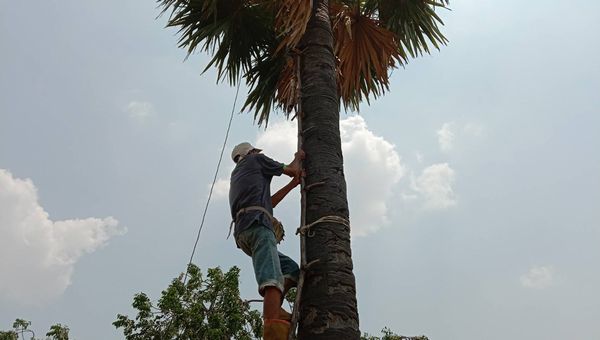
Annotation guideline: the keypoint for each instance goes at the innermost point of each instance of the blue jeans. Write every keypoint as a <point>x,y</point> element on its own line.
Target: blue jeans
<point>270,266</point>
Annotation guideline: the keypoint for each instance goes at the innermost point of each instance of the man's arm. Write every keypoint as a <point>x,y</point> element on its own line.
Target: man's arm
<point>279,195</point>
<point>294,169</point>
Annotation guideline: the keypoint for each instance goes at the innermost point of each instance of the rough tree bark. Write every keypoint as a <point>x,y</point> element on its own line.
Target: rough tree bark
<point>328,308</point>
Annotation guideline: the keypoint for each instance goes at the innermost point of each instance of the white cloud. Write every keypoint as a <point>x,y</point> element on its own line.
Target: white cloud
<point>538,277</point>
<point>140,110</point>
<point>221,188</point>
<point>373,168</point>
<point>451,133</point>
<point>434,185</point>
<point>37,255</point>
<point>280,140</point>
<point>446,137</point>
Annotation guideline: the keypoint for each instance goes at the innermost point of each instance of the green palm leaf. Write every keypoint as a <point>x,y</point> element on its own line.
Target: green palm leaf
<point>415,23</point>
<point>234,32</point>
<point>263,79</point>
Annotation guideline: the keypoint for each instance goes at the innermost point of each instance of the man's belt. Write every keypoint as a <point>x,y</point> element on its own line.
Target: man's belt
<point>277,226</point>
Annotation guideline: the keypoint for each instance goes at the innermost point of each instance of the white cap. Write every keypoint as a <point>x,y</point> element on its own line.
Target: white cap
<point>242,150</point>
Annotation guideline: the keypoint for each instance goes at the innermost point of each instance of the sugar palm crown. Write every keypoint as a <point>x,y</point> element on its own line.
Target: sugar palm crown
<point>257,42</point>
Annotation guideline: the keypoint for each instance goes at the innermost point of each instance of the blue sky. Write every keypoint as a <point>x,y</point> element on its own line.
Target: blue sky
<point>473,184</point>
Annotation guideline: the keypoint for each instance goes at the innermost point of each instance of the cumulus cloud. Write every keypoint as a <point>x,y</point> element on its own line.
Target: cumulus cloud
<point>446,137</point>
<point>280,140</point>
<point>373,168</point>
<point>140,110</point>
<point>37,255</point>
<point>538,277</point>
<point>434,186</point>
<point>452,133</point>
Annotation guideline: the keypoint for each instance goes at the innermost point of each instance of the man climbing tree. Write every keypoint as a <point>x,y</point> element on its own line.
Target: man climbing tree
<point>257,232</point>
<point>307,56</point>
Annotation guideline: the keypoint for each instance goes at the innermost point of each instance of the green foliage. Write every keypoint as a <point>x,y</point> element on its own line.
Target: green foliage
<point>203,308</point>
<point>21,324</point>
<point>414,22</point>
<point>8,335</point>
<point>290,297</point>
<point>58,332</point>
<point>263,79</point>
<point>387,334</point>
<point>240,37</point>
<point>21,327</point>
<point>234,32</point>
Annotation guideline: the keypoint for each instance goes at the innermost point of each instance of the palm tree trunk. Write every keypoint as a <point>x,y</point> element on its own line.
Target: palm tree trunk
<point>328,307</point>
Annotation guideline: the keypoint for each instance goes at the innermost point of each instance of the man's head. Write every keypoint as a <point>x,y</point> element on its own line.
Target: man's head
<point>242,150</point>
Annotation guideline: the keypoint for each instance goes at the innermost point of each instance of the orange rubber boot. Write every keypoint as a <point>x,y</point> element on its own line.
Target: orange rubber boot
<point>276,329</point>
<point>284,315</point>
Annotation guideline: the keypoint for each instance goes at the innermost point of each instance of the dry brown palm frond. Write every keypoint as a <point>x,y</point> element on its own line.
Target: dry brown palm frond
<point>290,22</point>
<point>366,51</point>
<point>287,86</point>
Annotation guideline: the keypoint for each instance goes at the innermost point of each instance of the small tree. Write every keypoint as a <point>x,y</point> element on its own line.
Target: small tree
<point>202,308</point>
<point>58,332</point>
<point>21,327</point>
<point>387,334</point>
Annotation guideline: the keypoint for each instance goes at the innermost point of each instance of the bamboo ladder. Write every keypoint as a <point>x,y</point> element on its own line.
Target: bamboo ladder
<point>299,117</point>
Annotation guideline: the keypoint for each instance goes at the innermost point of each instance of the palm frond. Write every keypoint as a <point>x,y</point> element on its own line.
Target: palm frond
<point>234,32</point>
<point>256,39</point>
<point>365,51</point>
<point>290,22</point>
<point>273,82</point>
<point>263,79</point>
<point>287,86</point>
<point>415,23</point>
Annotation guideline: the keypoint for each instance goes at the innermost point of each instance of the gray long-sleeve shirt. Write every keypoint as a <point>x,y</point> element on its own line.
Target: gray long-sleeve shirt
<point>251,186</point>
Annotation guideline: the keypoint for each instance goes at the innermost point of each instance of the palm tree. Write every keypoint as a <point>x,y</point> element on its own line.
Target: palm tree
<point>310,55</point>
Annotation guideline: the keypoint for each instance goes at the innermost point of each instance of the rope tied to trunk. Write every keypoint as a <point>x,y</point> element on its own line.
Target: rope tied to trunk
<point>325,219</point>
